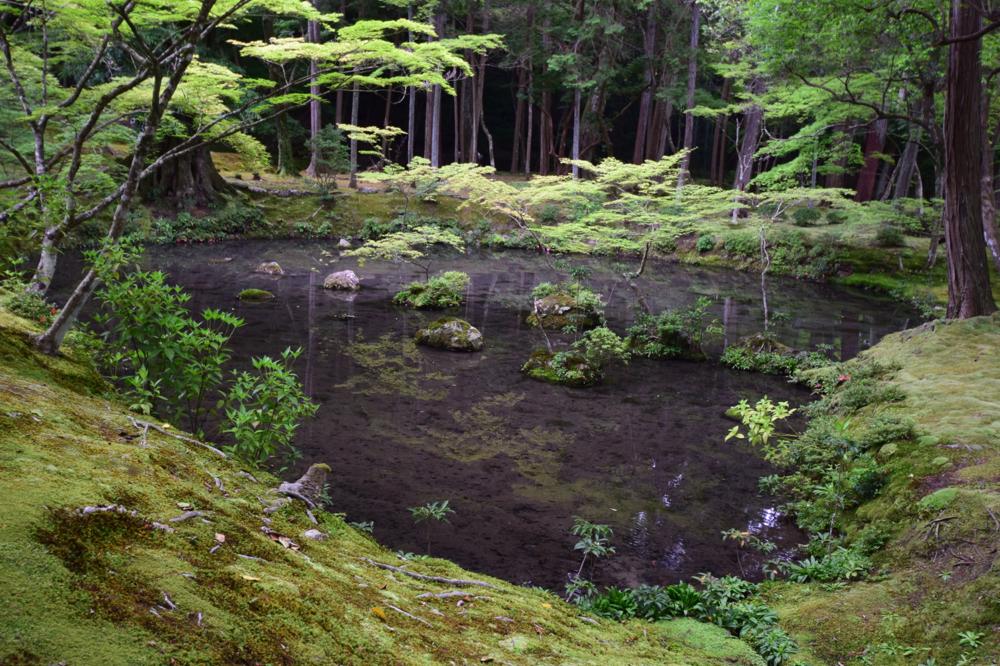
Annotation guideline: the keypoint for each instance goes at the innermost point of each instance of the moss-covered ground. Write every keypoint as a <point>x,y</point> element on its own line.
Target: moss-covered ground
<point>111,587</point>
<point>939,574</point>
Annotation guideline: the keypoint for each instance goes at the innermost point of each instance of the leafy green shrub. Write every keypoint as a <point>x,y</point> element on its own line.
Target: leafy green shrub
<point>742,244</point>
<point>841,564</point>
<point>441,291</point>
<point>676,333</point>
<point>749,360</point>
<point>705,243</point>
<point>601,347</point>
<point>615,604</point>
<point>836,217</point>
<point>170,362</point>
<point>806,217</point>
<point>889,235</point>
<point>264,407</point>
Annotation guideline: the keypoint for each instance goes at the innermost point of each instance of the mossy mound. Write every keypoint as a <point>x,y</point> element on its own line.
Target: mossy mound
<point>452,334</point>
<point>440,292</point>
<point>938,507</point>
<point>566,368</point>
<point>270,268</point>
<point>560,310</point>
<point>131,586</point>
<point>665,344</point>
<point>255,295</point>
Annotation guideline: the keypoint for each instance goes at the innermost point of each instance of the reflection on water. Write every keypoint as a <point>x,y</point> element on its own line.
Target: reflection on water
<point>402,425</point>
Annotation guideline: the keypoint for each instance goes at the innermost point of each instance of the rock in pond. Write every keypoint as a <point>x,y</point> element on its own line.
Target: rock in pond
<point>451,334</point>
<point>347,280</point>
<point>344,244</point>
<point>556,311</point>
<point>255,295</point>
<point>270,268</point>
<point>566,368</point>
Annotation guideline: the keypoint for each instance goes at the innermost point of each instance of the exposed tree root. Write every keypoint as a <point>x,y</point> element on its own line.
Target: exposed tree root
<point>437,579</point>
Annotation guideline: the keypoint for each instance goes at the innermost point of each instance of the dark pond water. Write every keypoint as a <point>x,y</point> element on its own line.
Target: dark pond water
<point>518,459</point>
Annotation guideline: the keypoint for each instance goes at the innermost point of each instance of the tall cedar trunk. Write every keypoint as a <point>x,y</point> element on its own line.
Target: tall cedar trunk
<point>649,80</point>
<point>874,143</point>
<point>576,131</point>
<point>315,116</point>
<point>907,165</point>
<point>355,103</point>
<point>545,134</point>
<point>989,195</point>
<point>718,166</point>
<point>689,102</point>
<point>411,103</point>
<point>436,105</point>
<point>515,148</point>
<point>479,82</point>
<point>969,292</point>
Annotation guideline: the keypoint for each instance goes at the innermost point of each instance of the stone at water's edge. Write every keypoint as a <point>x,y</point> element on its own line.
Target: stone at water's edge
<point>451,334</point>
<point>344,244</point>
<point>557,311</point>
<point>342,280</point>
<point>270,268</point>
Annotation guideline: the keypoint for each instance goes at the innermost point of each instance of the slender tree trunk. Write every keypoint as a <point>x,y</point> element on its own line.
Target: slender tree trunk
<point>717,169</point>
<point>315,115</point>
<point>752,124</point>
<point>988,193</point>
<point>411,109</point>
<point>969,293</point>
<point>576,131</point>
<point>874,143</point>
<point>355,103</point>
<point>692,76</point>
<point>545,133</point>
<point>436,127</point>
<point>515,149</point>
<point>646,99</point>
<point>907,165</point>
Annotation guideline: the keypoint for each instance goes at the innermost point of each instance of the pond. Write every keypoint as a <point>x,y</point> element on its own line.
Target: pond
<point>518,459</point>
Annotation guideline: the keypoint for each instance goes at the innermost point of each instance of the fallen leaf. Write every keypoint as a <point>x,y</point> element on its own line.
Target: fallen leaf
<point>220,537</point>
<point>249,577</point>
<point>379,613</point>
<point>546,605</point>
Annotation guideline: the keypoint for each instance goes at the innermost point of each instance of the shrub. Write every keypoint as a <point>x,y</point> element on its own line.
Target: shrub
<point>841,564</point>
<point>264,407</point>
<point>677,333</point>
<point>170,362</point>
<point>836,217</point>
<point>30,305</point>
<point>889,235</point>
<point>742,244</point>
<point>601,346</point>
<point>706,243</point>
<point>234,218</point>
<point>441,291</point>
<point>806,217</point>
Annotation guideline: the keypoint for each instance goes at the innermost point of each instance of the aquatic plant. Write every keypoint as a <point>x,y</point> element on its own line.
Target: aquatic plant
<point>674,333</point>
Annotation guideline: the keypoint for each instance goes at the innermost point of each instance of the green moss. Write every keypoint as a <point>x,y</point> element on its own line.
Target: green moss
<point>441,291</point>
<point>255,295</point>
<point>567,368</point>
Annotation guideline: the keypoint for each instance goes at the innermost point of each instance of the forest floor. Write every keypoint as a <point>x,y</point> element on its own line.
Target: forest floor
<point>109,587</point>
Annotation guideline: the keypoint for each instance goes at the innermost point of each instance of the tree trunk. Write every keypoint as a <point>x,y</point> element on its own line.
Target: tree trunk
<point>874,143</point>
<point>576,131</point>
<point>515,149</point>
<point>907,165</point>
<point>989,195</point>
<point>718,167</point>
<point>187,182</point>
<point>355,102</point>
<point>689,102</point>
<point>752,122</point>
<point>315,115</point>
<point>649,78</point>
<point>411,112</point>
<point>969,293</point>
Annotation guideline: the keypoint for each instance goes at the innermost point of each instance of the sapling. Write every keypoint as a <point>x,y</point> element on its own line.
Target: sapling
<point>430,513</point>
<point>594,542</point>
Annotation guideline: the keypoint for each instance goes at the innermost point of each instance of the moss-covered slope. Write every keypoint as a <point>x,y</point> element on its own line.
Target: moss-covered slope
<point>114,587</point>
<point>940,572</point>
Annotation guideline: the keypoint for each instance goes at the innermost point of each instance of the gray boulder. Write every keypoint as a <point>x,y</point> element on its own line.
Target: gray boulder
<point>451,334</point>
<point>347,280</point>
<point>270,268</point>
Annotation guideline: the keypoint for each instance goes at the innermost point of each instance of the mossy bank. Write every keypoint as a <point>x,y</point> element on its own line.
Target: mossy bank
<point>115,587</point>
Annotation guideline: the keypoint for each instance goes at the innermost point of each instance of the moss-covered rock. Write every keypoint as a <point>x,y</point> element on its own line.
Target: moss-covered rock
<point>344,280</point>
<point>559,306</point>
<point>270,268</point>
<point>452,334</point>
<point>255,295</point>
<point>567,368</point>
<point>441,291</point>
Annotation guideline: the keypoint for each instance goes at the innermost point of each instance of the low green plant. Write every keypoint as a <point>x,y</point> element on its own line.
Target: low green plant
<point>430,513</point>
<point>837,217</point>
<point>760,420</point>
<point>593,540</point>
<point>806,217</point>
<point>889,235</point>
<point>264,409</point>
<point>446,290</point>
<point>842,564</point>
<point>676,333</point>
<point>705,243</point>
<point>16,299</point>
